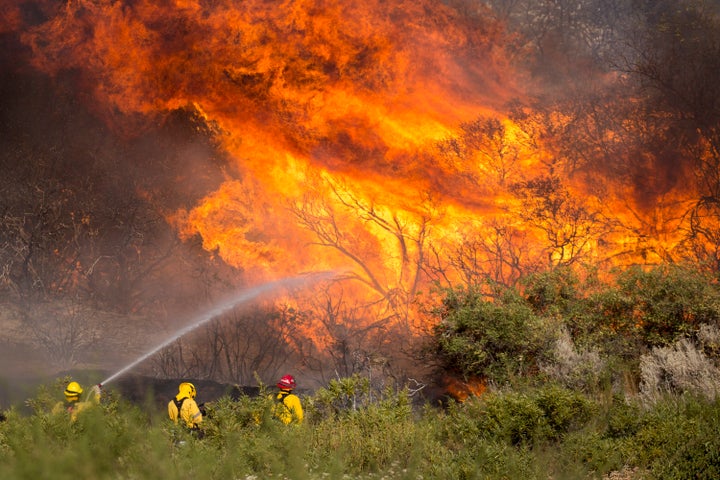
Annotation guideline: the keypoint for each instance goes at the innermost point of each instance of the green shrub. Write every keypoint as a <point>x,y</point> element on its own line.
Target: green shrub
<point>499,340</point>
<point>589,450</point>
<point>678,439</point>
<point>564,409</point>
<point>623,418</point>
<point>553,292</point>
<point>339,396</point>
<point>537,433</point>
<point>373,437</point>
<point>545,414</point>
<point>513,417</point>
<point>661,305</point>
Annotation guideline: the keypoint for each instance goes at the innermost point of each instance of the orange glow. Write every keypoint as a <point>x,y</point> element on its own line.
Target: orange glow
<point>461,391</point>
<point>367,136</point>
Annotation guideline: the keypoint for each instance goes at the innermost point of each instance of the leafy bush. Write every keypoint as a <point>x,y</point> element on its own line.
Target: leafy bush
<point>498,340</point>
<point>536,416</point>
<point>553,292</point>
<point>375,437</point>
<point>340,395</point>
<point>660,305</point>
<point>593,451</point>
<point>515,418</point>
<point>623,418</point>
<point>565,410</point>
<point>678,439</point>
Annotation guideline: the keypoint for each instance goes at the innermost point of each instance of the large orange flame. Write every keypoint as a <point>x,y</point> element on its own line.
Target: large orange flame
<point>369,136</point>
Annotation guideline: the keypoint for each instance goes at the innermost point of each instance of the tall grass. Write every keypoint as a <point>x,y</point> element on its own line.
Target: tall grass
<point>536,433</point>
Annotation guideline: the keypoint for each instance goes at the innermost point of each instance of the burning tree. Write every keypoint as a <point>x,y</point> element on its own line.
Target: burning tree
<point>401,143</point>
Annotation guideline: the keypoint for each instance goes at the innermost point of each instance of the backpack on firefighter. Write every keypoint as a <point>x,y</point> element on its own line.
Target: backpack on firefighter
<point>184,411</point>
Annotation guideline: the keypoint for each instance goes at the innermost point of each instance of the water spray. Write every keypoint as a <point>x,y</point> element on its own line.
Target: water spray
<point>219,309</point>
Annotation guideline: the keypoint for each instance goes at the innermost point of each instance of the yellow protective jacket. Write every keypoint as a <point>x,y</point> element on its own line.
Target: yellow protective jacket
<point>185,408</point>
<point>72,408</point>
<point>288,408</point>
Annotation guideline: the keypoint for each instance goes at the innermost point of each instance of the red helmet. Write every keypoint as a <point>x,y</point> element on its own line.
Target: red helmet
<point>287,382</point>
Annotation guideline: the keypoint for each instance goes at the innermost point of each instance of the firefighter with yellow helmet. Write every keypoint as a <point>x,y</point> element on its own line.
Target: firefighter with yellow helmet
<point>72,404</point>
<point>183,408</point>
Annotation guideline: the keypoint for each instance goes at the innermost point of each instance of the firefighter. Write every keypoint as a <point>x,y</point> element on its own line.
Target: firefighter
<point>184,408</point>
<point>288,408</point>
<point>72,404</point>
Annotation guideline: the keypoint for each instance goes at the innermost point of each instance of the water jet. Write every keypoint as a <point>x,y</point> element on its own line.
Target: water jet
<point>218,309</point>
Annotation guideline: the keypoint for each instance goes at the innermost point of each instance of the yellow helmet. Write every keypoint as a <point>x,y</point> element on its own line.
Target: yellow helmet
<point>73,389</point>
<point>187,389</point>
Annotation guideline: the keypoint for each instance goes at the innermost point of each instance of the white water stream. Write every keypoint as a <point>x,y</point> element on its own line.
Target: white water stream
<point>220,308</point>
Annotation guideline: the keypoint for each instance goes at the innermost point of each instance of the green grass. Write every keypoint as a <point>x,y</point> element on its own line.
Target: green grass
<point>539,433</point>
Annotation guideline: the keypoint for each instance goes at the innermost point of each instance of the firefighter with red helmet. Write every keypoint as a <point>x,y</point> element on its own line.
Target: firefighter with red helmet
<point>288,408</point>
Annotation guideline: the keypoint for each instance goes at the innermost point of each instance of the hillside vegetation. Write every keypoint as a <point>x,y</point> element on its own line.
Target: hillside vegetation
<point>538,433</point>
<point>581,379</point>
